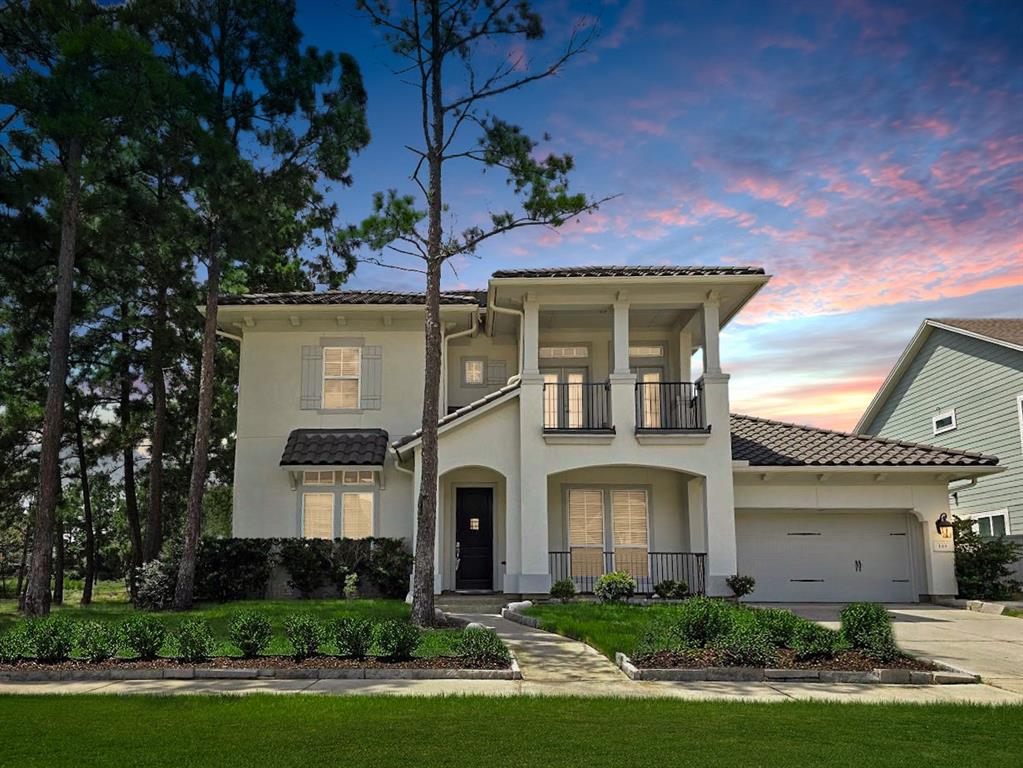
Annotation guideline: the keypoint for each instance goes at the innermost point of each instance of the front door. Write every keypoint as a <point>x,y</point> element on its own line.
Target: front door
<point>474,538</point>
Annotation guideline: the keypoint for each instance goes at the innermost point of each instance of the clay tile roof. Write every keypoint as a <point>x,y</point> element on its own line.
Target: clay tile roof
<point>763,442</point>
<point>348,297</point>
<point>1008,329</point>
<point>625,271</point>
<point>335,447</point>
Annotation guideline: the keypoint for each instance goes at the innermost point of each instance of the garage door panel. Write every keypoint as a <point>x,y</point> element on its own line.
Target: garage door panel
<point>820,557</point>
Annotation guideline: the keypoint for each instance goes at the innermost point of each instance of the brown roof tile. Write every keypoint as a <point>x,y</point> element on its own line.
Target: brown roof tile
<point>1008,329</point>
<point>627,271</point>
<point>348,297</point>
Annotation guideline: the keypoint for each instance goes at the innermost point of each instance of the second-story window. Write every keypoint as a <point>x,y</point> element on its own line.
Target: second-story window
<point>341,368</point>
<point>944,421</point>
<point>473,371</point>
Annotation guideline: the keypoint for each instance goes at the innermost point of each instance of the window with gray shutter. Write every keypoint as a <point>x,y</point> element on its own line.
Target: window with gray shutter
<point>312,377</point>
<point>372,378</point>
<point>497,372</point>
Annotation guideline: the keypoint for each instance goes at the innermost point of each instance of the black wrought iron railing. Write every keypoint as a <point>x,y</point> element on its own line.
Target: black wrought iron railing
<point>669,405</point>
<point>584,565</point>
<point>576,407</point>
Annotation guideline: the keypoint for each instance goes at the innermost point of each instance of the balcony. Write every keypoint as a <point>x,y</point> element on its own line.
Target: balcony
<point>577,407</point>
<point>669,406</point>
<point>584,565</point>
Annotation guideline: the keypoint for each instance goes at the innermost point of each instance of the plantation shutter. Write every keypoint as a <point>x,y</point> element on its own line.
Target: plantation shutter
<point>497,372</point>
<point>371,385</point>
<point>357,515</point>
<point>586,531</point>
<point>312,378</point>
<point>318,515</point>
<point>629,526</point>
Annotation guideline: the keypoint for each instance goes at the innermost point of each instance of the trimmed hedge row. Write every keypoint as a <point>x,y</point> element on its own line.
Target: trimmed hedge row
<point>235,569</point>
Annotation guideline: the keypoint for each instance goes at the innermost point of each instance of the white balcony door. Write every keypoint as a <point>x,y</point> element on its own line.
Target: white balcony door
<point>563,406</point>
<point>650,405</point>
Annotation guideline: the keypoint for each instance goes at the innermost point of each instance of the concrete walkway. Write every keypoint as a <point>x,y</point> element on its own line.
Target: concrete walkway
<point>551,666</point>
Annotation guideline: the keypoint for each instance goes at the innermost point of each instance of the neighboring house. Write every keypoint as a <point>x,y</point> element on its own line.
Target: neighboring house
<point>960,383</point>
<point>576,440</point>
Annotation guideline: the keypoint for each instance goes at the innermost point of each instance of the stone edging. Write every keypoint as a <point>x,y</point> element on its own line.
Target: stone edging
<point>758,674</point>
<point>511,612</point>
<point>980,606</point>
<point>257,673</point>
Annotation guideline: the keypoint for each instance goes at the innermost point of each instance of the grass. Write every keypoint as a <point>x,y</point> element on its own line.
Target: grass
<point>243,731</point>
<point>1013,612</point>
<point>438,642</point>
<point>606,626</point>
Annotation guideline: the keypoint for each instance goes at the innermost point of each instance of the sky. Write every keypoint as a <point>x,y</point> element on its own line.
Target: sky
<point>868,155</point>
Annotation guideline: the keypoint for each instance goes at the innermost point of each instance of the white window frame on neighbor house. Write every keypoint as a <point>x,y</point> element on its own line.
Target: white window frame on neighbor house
<point>976,517</point>
<point>948,413</point>
<point>342,376</point>
<point>308,496</point>
<point>482,363</point>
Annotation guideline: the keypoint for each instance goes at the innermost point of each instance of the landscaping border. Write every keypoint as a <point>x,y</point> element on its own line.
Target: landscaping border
<point>980,606</point>
<point>259,673</point>
<point>878,676</point>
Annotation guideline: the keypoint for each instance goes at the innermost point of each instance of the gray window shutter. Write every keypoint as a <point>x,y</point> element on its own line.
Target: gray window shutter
<point>497,372</point>
<point>312,378</point>
<point>372,380</point>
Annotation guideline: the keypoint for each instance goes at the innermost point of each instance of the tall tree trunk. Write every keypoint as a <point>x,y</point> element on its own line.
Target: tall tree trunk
<point>90,533</point>
<point>37,596</point>
<point>426,521</point>
<point>158,386</point>
<point>58,564</point>
<point>131,504</point>
<point>185,587</point>
<point>23,565</point>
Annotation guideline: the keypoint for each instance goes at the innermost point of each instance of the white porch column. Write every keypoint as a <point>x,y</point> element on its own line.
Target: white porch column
<point>719,490</point>
<point>623,381</point>
<point>697,530</point>
<point>621,336</point>
<point>530,336</point>
<point>685,355</point>
<point>711,327</point>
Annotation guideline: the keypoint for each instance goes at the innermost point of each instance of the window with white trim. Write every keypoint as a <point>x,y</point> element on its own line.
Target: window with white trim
<point>341,369</point>
<point>943,421</point>
<point>318,515</point>
<point>646,350</point>
<point>474,371</point>
<point>629,529</point>
<point>318,477</point>
<point>586,531</point>
<point>357,477</point>
<point>357,515</point>
<point>573,352</point>
<point>992,523</point>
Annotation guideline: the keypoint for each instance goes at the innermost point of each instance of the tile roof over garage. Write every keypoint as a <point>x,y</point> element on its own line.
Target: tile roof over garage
<point>624,271</point>
<point>335,447</point>
<point>763,442</point>
<point>1008,329</point>
<point>348,297</point>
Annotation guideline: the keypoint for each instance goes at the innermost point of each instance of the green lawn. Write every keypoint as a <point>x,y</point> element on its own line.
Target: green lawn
<point>1013,612</point>
<point>83,731</point>
<point>436,642</point>
<point>607,627</point>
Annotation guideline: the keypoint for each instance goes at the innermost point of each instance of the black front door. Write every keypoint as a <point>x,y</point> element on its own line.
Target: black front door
<point>474,538</point>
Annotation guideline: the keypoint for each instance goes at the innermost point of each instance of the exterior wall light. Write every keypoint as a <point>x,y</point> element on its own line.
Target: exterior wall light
<point>943,526</point>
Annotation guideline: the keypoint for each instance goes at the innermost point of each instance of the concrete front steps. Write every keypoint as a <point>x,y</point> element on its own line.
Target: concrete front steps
<point>469,603</point>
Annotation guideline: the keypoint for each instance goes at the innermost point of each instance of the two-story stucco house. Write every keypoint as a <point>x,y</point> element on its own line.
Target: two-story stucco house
<point>960,383</point>
<point>577,440</point>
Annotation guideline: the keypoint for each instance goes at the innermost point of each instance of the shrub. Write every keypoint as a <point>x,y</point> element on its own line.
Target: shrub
<point>698,622</point>
<point>780,625</point>
<point>481,645</point>
<point>251,632</point>
<point>983,565</point>
<point>670,589</point>
<point>351,587</point>
<point>51,638</point>
<point>154,585</point>
<point>397,639</point>
<point>352,635</point>
<point>390,567</point>
<point>96,642</point>
<point>812,641</point>
<point>614,587</point>
<point>308,563</point>
<point>194,640</point>
<point>142,635</point>
<point>741,585</point>
<point>880,645</point>
<point>233,569</point>
<point>305,634</point>
<point>862,623</point>
<point>14,646</point>
<point>563,590</point>
<point>746,644</point>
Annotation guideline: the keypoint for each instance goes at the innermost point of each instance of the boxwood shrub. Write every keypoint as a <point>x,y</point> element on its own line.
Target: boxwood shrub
<point>397,639</point>
<point>305,633</point>
<point>482,646</point>
<point>194,640</point>
<point>670,589</point>
<point>614,587</point>
<point>812,642</point>
<point>563,590</point>
<point>746,644</point>
<point>14,646</point>
<point>352,636</point>
<point>780,625</point>
<point>96,642</point>
<point>251,632</point>
<point>142,635</point>
<point>698,621</point>
<point>52,639</point>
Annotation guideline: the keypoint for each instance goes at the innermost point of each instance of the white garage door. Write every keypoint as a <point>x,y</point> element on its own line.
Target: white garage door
<point>819,557</point>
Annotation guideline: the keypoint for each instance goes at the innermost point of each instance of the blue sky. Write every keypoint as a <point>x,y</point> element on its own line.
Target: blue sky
<point>869,155</point>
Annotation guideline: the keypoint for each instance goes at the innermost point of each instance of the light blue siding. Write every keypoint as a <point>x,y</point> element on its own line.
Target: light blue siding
<point>982,381</point>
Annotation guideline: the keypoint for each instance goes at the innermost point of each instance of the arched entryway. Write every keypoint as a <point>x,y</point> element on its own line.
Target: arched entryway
<point>471,530</point>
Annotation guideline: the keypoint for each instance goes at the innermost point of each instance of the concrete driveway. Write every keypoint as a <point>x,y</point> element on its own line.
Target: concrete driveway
<point>984,644</point>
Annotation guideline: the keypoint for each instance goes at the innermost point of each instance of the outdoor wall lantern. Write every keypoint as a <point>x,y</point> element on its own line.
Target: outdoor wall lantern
<point>944,526</point>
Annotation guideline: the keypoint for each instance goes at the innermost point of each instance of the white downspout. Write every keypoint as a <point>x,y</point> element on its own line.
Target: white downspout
<point>520,315</point>
<point>473,325</point>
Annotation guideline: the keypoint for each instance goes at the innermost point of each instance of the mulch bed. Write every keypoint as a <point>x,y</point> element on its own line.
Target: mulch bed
<point>846,661</point>
<point>264,662</point>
